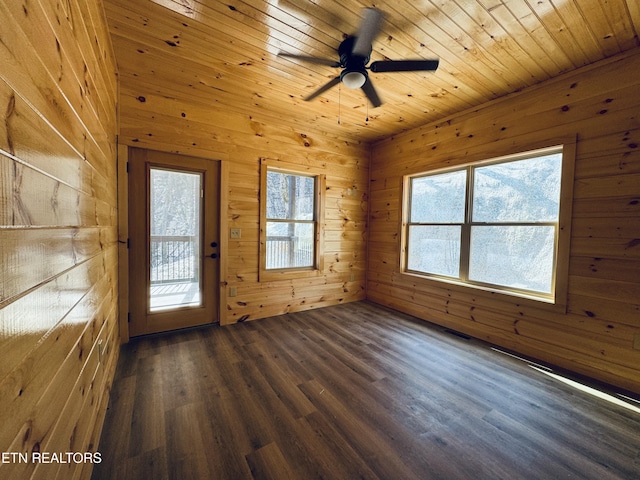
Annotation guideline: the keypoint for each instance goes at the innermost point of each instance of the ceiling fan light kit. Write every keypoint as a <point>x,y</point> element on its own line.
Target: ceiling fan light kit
<point>353,80</point>
<point>355,53</point>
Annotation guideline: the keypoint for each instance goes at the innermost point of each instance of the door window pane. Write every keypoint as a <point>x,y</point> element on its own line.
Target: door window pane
<point>518,257</point>
<point>434,249</point>
<point>175,230</point>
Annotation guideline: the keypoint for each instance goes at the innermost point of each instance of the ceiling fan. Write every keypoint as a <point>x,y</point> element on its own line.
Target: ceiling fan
<point>355,53</point>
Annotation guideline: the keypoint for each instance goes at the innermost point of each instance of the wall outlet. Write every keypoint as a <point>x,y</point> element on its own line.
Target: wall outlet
<point>233,291</point>
<point>236,233</point>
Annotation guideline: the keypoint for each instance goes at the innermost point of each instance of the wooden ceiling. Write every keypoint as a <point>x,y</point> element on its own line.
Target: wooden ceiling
<point>223,55</point>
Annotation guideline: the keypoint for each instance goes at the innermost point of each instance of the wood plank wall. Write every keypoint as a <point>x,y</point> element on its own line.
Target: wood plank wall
<point>162,113</point>
<point>58,248</point>
<point>596,335</point>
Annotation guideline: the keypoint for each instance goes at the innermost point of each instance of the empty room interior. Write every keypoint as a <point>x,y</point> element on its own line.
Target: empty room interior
<point>304,239</point>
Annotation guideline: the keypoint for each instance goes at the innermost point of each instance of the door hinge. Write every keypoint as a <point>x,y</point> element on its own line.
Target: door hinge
<point>128,317</point>
<point>128,243</point>
<point>127,167</point>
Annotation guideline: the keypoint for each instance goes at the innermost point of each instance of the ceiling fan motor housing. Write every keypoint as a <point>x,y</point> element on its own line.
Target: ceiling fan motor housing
<point>353,64</point>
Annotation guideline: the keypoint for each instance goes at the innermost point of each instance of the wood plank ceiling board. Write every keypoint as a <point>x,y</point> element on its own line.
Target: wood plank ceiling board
<point>225,54</point>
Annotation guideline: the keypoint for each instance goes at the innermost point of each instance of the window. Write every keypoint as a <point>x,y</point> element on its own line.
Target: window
<point>291,226</point>
<point>493,225</point>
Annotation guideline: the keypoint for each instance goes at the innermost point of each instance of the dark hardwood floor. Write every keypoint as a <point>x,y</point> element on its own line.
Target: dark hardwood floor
<point>347,392</point>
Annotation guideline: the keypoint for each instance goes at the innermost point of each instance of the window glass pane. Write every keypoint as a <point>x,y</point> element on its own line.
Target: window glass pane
<point>520,191</point>
<point>289,245</point>
<point>175,213</point>
<point>290,197</point>
<point>438,198</point>
<point>520,257</point>
<point>434,249</point>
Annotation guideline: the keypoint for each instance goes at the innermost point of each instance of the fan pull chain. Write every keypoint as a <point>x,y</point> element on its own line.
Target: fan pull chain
<point>339,101</point>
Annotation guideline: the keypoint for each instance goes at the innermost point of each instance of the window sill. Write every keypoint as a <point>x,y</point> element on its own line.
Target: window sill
<point>288,274</point>
<point>506,296</point>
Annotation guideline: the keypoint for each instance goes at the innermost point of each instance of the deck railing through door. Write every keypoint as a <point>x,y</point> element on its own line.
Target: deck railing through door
<point>174,259</point>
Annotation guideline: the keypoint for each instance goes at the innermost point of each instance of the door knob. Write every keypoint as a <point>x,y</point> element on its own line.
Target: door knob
<point>214,244</point>
<point>214,255</point>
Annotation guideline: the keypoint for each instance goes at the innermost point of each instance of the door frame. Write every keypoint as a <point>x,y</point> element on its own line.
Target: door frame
<point>123,237</point>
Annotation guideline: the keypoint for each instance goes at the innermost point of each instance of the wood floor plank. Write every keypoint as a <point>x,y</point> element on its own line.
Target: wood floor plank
<point>265,360</point>
<point>268,463</point>
<point>351,391</point>
<point>333,450</point>
<point>148,465</point>
<point>147,427</point>
<point>371,444</point>
<point>187,446</point>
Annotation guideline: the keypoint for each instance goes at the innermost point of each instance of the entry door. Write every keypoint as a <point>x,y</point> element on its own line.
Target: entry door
<point>173,241</point>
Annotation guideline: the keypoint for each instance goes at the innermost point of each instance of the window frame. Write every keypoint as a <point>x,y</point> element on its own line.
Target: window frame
<point>558,297</point>
<point>271,274</point>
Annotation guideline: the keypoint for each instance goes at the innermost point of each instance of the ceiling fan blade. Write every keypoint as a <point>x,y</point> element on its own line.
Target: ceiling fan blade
<point>404,65</point>
<point>323,89</point>
<point>305,58</point>
<point>371,93</point>
<point>369,28</point>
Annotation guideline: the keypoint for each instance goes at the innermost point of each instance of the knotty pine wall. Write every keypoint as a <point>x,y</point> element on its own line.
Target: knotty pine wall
<point>163,117</point>
<point>595,337</point>
<point>58,255</point>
